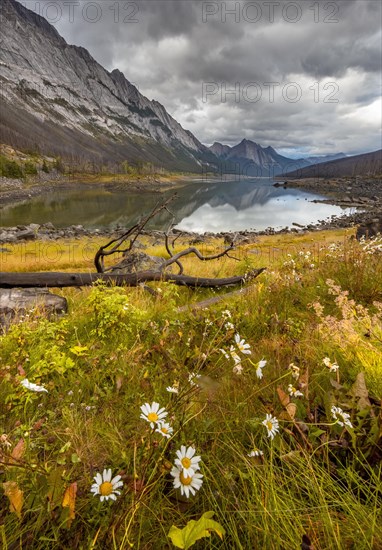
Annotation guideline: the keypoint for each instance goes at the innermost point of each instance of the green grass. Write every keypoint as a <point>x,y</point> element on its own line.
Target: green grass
<point>120,348</point>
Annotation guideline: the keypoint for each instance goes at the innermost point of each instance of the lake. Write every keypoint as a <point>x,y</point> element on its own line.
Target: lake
<point>200,206</point>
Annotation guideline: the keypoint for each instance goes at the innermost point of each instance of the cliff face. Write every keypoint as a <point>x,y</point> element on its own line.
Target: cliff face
<point>57,97</point>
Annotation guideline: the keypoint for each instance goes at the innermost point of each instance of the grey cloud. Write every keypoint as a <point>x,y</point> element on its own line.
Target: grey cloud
<point>170,52</point>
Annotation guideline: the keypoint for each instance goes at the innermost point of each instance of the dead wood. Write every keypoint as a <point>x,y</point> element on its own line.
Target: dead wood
<point>61,280</point>
<point>120,245</point>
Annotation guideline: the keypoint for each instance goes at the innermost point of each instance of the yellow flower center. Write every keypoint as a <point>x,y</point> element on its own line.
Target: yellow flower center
<point>269,425</point>
<point>186,462</point>
<point>185,480</point>
<point>164,430</point>
<point>152,417</point>
<point>106,488</point>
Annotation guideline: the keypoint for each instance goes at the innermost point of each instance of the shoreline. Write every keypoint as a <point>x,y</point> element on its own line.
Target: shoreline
<point>356,192</point>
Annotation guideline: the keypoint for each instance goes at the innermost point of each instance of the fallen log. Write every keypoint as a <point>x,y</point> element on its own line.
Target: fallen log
<point>62,279</point>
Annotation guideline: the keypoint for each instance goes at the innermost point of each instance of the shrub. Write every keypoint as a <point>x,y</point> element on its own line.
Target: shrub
<point>10,168</point>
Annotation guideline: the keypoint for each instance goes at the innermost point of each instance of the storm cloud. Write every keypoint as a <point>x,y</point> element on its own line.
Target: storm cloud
<point>302,76</point>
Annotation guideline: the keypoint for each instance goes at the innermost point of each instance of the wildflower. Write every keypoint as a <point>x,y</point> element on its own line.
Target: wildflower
<point>226,314</point>
<point>238,368</point>
<point>187,483</point>
<point>152,413</point>
<point>295,370</point>
<point>234,356</point>
<point>255,452</point>
<point>172,389</point>
<point>164,429</point>
<point>242,346</point>
<point>105,486</point>
<point>191,377</point>
<point>5,441</point>
<point>272,425</point>
<point>187,461</point>
<point>229,326</point>
<point>333,367</point>
<point>341,417</point>
<point>293,392</point>
<point>260,365</point>
<point>33,387</point>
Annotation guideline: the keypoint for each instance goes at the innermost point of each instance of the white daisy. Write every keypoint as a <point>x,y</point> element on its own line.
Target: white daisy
<point>260,365</point>
<point>234,355</point>
<point>238,368</point>
<point>33,387</point>
<point>293,392</point>
<point>341,417</point>
<point>242,346</point>
<point>152,413</point>
<point>164,429</point>
<point>187,483</point>
<point>172,389</point>
<point>105,486</point>
<point>295,371</point>
<point>226,314</point>
<point>255,452</point>
<point>333,367</point>
<point>187,461</point>
<point>272,425</point>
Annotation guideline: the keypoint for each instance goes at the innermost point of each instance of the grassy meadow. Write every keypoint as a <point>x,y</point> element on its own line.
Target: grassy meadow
<point>277,389</point>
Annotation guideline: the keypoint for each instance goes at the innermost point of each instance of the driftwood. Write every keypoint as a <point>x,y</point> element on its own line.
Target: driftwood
<point>114,246</point>
<point>61,280</point>
<point>119,246</point>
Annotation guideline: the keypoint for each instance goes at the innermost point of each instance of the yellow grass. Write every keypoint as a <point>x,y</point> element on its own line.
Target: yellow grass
<point>78,254</point>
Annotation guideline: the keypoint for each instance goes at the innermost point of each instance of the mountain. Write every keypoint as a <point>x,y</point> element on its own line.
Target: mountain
<point>57,99</point>
<point>367,164</point>
<point>220,150</point>
<point>251,159</point>
<point>324,158</point>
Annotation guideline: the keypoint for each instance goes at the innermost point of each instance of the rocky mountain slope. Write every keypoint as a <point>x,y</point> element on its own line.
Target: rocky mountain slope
<point>57,99</point>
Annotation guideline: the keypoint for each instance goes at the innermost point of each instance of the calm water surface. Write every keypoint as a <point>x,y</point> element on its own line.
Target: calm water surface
<point>199,206</point>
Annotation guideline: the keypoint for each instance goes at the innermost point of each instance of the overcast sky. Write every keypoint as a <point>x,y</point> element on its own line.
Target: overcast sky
<point>302,76</point>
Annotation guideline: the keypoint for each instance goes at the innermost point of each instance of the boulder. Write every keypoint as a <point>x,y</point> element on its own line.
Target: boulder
<point>369,229</point>
<point>16,302</point>
<point>27,235</point>
<point>138,261</point>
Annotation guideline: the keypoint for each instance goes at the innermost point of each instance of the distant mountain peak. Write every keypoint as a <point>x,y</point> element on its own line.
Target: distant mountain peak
<point>263,161</point>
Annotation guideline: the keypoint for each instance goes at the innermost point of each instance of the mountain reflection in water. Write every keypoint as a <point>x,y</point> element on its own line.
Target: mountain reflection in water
<point>199,206</point>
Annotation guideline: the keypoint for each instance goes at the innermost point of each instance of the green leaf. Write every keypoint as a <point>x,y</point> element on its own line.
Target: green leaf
<point>195,530</point>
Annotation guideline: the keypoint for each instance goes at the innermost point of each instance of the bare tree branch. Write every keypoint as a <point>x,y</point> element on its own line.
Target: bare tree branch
<point>135,230</point>
<point>193,250</point>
